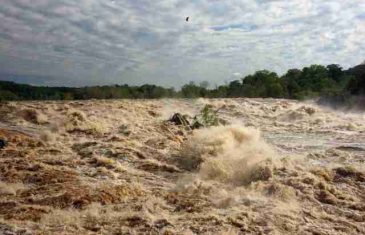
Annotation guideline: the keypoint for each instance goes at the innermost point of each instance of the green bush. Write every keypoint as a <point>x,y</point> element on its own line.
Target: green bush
<point>207,117</point>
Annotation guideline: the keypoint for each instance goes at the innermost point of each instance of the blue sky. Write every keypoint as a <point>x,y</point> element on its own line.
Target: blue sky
<point>90,42</point>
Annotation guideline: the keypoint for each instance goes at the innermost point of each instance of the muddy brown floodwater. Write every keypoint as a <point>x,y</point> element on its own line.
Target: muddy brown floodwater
<point>119,167</point>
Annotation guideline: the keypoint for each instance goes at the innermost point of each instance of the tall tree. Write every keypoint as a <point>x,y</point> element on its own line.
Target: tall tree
<point>335,72</point>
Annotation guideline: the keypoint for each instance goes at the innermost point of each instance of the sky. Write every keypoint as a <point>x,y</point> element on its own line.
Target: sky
<point>104,42</point>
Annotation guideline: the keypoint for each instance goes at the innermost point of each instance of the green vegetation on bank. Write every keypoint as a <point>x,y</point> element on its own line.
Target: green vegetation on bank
<point>330,82</point>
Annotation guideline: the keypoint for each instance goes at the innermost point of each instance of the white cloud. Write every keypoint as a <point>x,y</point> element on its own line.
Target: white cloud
<point>118,41</point>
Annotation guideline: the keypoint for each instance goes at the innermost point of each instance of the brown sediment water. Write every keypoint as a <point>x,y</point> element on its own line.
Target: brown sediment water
<point>118,167</point>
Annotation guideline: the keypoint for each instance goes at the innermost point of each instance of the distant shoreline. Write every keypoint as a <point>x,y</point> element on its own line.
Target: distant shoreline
<point>300,84</point>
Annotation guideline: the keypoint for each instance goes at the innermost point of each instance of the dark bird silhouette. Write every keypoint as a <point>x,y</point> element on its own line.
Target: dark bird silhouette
<point>187,19</point>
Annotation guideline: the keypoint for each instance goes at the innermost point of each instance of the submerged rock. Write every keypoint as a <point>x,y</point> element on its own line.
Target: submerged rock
<point>2,143</point>
<point>179,119</point>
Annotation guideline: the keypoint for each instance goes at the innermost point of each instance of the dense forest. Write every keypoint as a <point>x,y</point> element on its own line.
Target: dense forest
<point>329,82</point>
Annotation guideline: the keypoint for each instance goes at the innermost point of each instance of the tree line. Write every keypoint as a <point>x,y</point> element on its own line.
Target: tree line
<point>309,82</point>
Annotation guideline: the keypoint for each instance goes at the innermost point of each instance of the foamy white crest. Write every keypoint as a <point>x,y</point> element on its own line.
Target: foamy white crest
<point>232,154</point>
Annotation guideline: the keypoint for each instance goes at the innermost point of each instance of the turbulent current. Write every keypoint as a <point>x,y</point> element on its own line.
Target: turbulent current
<point>120,167</point>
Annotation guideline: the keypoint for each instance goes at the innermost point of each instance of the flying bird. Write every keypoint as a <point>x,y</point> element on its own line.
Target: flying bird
<point>187,19</point>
